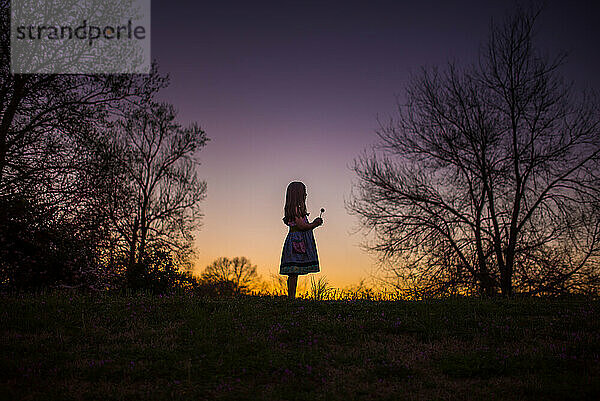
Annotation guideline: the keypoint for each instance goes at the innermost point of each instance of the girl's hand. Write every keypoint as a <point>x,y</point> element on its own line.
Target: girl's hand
<point>318,221</point>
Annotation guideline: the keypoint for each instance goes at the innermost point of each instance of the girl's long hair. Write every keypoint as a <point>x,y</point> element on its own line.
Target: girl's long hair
<point>295,201</point>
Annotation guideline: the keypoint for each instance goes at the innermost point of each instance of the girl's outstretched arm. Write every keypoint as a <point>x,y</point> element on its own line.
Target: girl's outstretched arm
<point>302,225</point>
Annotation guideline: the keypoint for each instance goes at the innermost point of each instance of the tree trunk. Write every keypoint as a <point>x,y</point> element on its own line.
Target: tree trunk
<point>131,268</point>
<point>140,266</point>
<point>144,234</point>
<point>7,118</point>
<point>506,275</point>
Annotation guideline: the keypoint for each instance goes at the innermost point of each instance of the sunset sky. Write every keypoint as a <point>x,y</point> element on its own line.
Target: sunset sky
<point>293,90</point>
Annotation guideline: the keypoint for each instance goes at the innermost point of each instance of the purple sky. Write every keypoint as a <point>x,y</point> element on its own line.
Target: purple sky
<point>292,91</point>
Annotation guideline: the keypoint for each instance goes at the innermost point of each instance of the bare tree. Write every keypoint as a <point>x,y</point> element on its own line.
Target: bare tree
<point>239,271</point>
<point>49,129</point>
<point>488,179</point>
<point>154,194</point>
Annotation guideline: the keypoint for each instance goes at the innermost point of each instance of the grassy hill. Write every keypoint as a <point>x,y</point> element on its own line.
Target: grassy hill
<point>114,347</point>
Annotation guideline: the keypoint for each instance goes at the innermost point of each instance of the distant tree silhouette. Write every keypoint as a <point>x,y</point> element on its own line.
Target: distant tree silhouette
<point>239,272</point>
<point>489,177</point>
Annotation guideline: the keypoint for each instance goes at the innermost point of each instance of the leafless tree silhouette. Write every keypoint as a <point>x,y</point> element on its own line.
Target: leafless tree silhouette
<point>51,215</point>
<point>239,271</point>
<point>489,177</point>
<point>155,194</point>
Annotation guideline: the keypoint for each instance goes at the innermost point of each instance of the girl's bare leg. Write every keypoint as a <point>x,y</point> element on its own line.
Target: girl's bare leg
<point>292,281</point>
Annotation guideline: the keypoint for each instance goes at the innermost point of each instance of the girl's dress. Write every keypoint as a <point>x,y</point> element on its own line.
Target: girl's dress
<point>299,255</point>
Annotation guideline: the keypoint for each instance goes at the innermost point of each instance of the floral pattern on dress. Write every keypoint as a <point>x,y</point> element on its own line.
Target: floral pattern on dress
<point>299,254</point>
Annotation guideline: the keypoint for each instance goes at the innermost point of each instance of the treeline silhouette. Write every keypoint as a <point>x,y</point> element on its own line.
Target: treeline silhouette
<point>98,180</point>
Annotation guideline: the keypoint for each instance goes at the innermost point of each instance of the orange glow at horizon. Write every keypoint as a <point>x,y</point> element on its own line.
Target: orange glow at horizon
<point>244,210</point>
<point>281,103</point>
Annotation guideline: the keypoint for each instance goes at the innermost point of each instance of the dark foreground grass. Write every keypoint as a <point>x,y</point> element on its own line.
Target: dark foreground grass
<point>111,347</point>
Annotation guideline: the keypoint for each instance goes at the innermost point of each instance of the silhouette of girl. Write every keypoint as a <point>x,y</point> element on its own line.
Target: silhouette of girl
<point>299,255</point>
